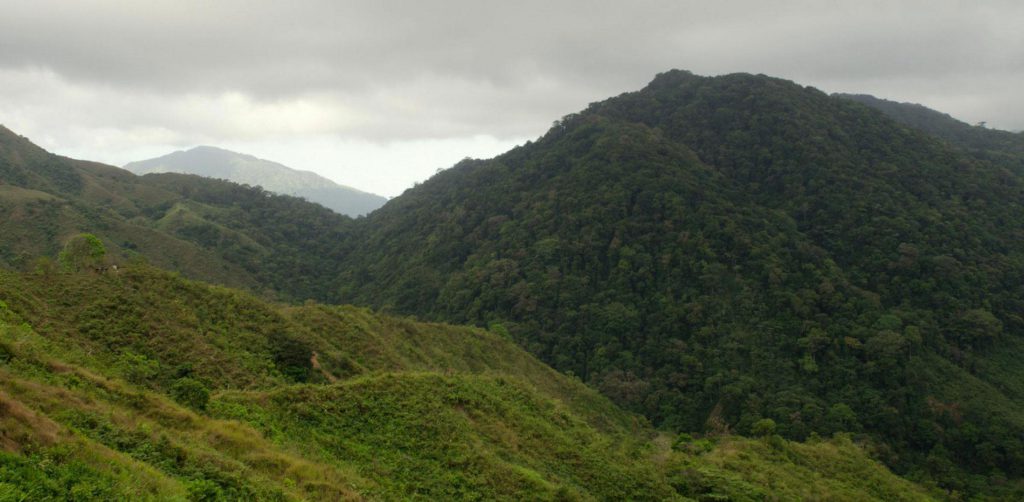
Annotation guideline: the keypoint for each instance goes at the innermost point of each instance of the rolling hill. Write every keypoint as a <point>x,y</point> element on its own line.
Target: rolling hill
<point>245,169</point>
<point>138,383</point>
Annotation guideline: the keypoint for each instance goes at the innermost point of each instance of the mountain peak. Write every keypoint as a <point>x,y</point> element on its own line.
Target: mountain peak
<point>215,162</point>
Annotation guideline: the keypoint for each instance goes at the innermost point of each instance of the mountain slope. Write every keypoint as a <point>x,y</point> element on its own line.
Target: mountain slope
<point>941,124</point>
<point>977,140</point>
<point>710,252</point>
<point>214,162</point>
<point>714,251</point>
<point>137,383</point>
<point>209,229</point>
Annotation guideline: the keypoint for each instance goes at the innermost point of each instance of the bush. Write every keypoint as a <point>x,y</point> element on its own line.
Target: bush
<point>137,368</point>
<point>763,428</point>
<point>190,392</point>
<point>81,252</point>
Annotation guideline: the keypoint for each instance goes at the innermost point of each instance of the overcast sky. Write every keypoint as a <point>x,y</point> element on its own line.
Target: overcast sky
<point>379,95</point>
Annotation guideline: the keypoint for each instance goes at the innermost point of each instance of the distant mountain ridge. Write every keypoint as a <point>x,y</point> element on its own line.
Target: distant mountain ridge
<point>213,162</point>
<point>978,140</point>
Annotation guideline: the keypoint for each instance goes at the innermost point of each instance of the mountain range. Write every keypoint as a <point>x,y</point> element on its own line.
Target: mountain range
<point>716,256</point>
<point>240,168</point>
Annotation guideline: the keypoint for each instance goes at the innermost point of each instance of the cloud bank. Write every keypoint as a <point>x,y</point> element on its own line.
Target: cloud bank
<point>387,92</point>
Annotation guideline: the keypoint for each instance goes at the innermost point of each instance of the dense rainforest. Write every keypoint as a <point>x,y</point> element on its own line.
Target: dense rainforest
<point>722,255</point>
<point>710,252</point>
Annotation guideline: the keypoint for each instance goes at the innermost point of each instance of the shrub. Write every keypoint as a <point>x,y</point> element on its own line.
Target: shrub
<point>190,392</point>
<point>82,251</point>
<point>763,428</point>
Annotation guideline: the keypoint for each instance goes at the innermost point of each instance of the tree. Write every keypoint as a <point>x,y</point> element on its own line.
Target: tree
<point>763,428</point>
<point>81,252</point>
<point>979,326</point>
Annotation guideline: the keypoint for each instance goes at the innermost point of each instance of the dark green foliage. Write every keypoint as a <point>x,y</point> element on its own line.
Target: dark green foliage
<point>292,357</point>
<point>714,251</point>
<point>981,142</point>
<point>190,392</point>
<point>709,252</point>
<point>26,165</point>
<point>288,244</point>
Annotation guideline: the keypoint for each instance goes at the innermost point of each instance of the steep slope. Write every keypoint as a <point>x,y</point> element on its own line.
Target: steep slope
<point>975,139</point>
<point>714,251</point>
<point>218,163</point>
<point>208,229</point>
<point>137,383</point>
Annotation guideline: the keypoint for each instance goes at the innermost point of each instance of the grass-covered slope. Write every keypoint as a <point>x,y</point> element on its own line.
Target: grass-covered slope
<point>141,384</point>
<point>736,468</point>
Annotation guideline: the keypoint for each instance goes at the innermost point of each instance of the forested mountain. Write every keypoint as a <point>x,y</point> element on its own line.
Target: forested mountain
<point>977,139</point>
<point>245,169</point>
<point>138,384</point>
<point>207,229</point>
<point>714,251</point>
<point>722,255</point>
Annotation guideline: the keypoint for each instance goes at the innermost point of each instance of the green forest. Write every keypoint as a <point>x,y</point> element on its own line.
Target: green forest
<point>711,252</point>
<point>713,288</point>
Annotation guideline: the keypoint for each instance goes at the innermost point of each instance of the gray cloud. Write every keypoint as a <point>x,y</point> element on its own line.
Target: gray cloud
<point>95,76</point>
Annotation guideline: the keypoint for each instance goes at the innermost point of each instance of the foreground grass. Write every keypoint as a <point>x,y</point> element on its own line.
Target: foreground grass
<point>143,385</point>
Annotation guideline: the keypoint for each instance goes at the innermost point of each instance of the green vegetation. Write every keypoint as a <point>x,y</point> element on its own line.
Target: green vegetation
<point>207,229</point>
<point>743,469</point>
<point>137,383</point>
<point>1001,147</point>
<point>711,252</point>
<point>81,252</point>
<point>728,255</point>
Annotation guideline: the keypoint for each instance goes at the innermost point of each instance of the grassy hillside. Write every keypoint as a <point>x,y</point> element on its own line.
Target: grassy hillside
<point>139,383</point>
